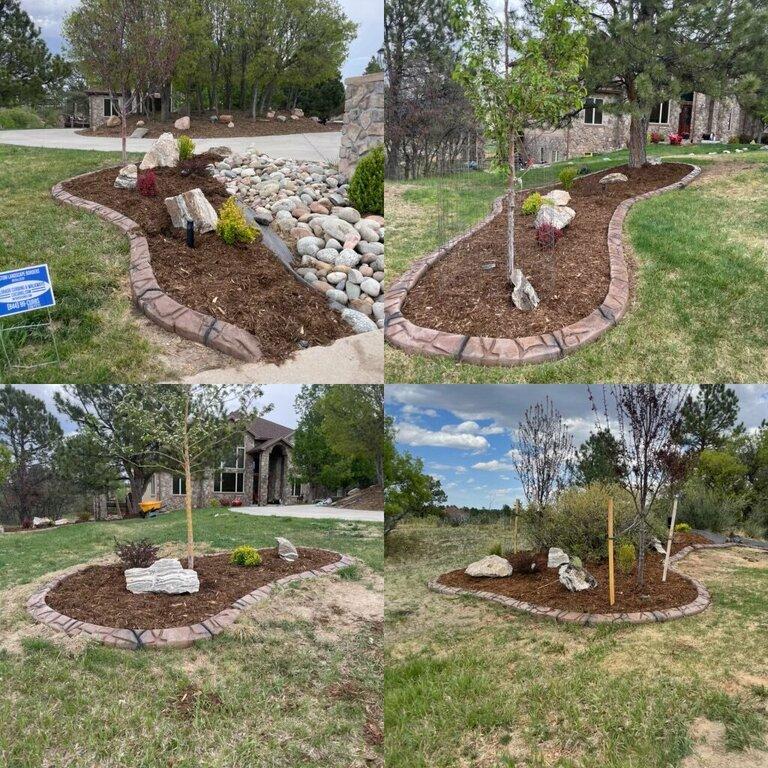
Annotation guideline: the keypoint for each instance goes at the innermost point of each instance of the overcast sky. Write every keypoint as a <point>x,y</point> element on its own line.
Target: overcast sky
<point>465,434</point>
<point>369,15</point>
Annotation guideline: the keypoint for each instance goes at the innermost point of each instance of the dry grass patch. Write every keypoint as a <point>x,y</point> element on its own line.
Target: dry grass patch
<point>710,750</point>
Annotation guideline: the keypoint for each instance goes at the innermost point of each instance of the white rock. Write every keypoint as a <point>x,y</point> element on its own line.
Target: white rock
<point>164,575</point>
<point>61,521</point>
<point>524,295</point>
<point>192,204</point>
<point>41,522</point>
<point>230,124</point>
<point>493,565</point>
<point>557,557</point>
<point>656,546</point>
<point>337,296</point>
<point>558,197</point>
<point>359,322</point>
<point>335,277</point>
<point>371,287</point>
<point>286,550</point>
<point>613,178</point>
<point>559,216</point>
<point>164,153</point>
<point>575,579</point>
<point>182,124</point>
<point>127,177</point>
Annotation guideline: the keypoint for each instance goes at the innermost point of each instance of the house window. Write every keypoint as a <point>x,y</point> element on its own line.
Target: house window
<point>541,154</point>
<point>295,488</point>
<point>179,485</point>
<point>152,487</point>
<point>660,113</point>
<point>593,111</point>
<point>110,108</point>
<point>230,478</point>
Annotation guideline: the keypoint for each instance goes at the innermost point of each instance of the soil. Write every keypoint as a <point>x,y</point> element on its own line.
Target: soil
<point>202,128</point>
<point>98,594</point>
<point>245,285</point>
<point>543,587</point>
<point>458,296</point>
<point>371,498</point>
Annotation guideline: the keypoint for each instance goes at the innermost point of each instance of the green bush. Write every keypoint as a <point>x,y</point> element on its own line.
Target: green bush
<point>532,203</point>
<point>186,147</point>
<point>84,516</point>
<point>215,503</point>
<point>19,118</point>
<point>366,187</point>
<point>708,509</point>
<point>567,175</point>
<point>247,556</point>
<point>350,572</point>
<point>683,528</point>
<point>232,227</point>
<point>626,557</point>
<point>496,549</point>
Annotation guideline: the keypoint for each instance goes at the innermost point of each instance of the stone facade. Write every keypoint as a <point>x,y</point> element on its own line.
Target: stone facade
<point>363,127</point>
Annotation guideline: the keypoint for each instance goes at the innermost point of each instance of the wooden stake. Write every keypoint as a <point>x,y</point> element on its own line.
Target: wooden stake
<point>517,517</point>
<point>611,584</point>
<point>669,539</point>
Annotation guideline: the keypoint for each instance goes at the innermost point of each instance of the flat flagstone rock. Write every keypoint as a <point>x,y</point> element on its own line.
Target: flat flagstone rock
<point>164,575</point>
<point>192,205</point>
<point>492,566</point>
<point>286,550</point>
<point>139,133</point>
<point>613,178</point>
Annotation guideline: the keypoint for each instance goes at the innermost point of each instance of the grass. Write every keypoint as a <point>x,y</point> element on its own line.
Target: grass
<point>88,259</point>
<point>470,683</point>
<point>296,681</point>
<point>700,314</point>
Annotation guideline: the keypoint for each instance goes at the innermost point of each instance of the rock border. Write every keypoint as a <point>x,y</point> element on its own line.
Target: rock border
<point>702,601</point>
<point>170,637</point>
<point>485,350</point>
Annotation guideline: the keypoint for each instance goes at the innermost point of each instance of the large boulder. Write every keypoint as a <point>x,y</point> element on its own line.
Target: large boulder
<point>164,153</point>
<point>285,550</point>
<point>182,124</point>
<point>127,177</point>
<point>557,557</point>
<point>112,122</point>
<point>613,178</point>
<point>557,197</point>
<point>41,522</point>
<point>559,216</point>
<point>193,205</point>
<point>164,575</point>
<point>493,565</point>
<point>225,118</point>
<point>524,295</point>
<point>656,545</point>
<point>575,579</point>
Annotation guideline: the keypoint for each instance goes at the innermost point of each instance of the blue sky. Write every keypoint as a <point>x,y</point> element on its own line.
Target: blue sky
<point>465,433</point>
<point>369,15</point>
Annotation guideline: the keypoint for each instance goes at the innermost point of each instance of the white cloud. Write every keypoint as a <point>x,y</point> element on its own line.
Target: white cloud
<point>412,434</point>
<point>472,428</point>
<point>413,410</point>
<point>493,466</point>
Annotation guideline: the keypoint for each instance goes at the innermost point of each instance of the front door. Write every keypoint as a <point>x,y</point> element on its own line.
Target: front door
<point>256,480</point>
<point>684,123</point>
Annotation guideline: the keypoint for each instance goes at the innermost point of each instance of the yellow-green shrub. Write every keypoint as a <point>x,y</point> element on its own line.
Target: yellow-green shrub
<point>232,227</point>
<point>186,147</point>
<point>567,175</point>
<point>532,203</point>
<point>626,557</point>
<point>682,528</point>
<point>247,556</point>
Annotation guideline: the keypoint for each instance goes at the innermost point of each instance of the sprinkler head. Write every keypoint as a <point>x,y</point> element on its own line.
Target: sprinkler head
<point>190,233</point>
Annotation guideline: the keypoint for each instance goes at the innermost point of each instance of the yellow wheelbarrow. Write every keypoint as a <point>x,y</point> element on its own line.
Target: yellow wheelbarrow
<point>150,508</point>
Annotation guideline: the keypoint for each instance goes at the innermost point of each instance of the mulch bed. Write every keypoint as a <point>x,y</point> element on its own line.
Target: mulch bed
<point>202,128</point>
<point>457,295</point>
<point>245,285</point>
<point>98,594</point>
<point>544,588</point>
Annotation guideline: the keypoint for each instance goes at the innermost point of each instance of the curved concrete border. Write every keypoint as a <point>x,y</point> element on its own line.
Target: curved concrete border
<point>171,637</point>
<point>702,601</point>
<point>485,350</point>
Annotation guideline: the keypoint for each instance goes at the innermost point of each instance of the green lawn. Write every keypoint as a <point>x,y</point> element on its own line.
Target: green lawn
<point>469,683</point>
<point>295,682</point>
<point>701,312</point>
<point>88,260</point>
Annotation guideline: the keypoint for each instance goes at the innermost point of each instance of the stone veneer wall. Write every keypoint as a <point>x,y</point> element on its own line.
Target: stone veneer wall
<point>363,119</point>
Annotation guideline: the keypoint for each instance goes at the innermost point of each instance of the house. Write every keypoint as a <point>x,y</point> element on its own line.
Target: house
<point>258,472</point>
<point>597,130</point>
<point>102,105</point>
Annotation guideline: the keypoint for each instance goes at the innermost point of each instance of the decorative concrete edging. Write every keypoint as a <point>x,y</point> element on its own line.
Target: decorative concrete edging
<point>157,305</point>
<point>485,350</point>
<point>171,637</point>
<point>702,601</point>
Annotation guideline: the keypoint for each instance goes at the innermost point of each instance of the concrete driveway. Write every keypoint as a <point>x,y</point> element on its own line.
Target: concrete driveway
<point>313,512</point>
<point>299,146</point>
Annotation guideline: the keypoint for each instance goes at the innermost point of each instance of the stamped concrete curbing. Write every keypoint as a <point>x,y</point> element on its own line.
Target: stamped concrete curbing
<point>484,350</point>
<point>172,637</point>
<point>701,602</point>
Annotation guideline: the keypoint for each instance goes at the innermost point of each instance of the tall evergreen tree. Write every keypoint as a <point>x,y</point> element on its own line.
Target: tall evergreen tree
<point>599,459</point>
<point>710,418</point>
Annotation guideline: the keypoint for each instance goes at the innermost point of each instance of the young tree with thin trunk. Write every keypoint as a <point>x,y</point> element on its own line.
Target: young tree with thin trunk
<point>520,74</point>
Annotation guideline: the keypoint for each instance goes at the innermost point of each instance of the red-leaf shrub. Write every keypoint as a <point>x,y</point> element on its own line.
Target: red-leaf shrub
<point>655,137</point>
<point>147,184</point>
<point>238,502</point>
<point>547,235</point>
<point>26,523</point>
<point>140,553</point>
<point>675,138</point>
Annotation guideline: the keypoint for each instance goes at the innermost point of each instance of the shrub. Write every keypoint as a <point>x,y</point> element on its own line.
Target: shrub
<point>215,503</point>
<point>708,509</point>
<point>585,169</point>
<point>496,549</point>
<point>246,556</point>
<point>19,118</point>
<point>147,183</point>
<point>532,203</point>
<point>683,528</point>
<point>527,562</point>
<point>140,553</point>
<point>547,235</point>
<point>350,572</point>
<point>84,516</point>
<point>232,227</point>
<point>656,137</point>
<point>675,139</point>
<point>366,187</point>
<point>626,557</point>
<point>186,147</point>
<point>566,176</point>
<point>454,516</point>
<point>734,140</point>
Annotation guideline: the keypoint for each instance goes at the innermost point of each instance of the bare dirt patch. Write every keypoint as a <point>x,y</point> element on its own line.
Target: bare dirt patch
<point>458,295</point>
<point>710,752</point>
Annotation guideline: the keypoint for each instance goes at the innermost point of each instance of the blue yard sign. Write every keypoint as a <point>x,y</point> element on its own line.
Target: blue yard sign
<point>25,290</point>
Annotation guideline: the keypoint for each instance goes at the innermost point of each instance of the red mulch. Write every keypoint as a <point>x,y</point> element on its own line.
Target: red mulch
<point>371,498</point>
<point>544,588</point>
<point>202,128</point>
<point>98,594</point>
<point>245,285</point>
<point>457,295</point>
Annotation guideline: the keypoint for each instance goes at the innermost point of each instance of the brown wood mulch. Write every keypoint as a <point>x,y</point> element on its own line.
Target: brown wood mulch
<point>245,285</point>
<point>98,595</point>
<point>202,128</point>
<point>457,295</point>
<point>544,588</point>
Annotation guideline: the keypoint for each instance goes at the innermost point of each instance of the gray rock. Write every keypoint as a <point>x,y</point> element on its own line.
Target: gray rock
<point>139,133</point>
<point>163,153</point>
<point>337,228</point>
<point>377,249</point>
<point>355,276</point>
<point>371,287</point>
<point>352,289</point>
<point>524,295</point>
<point>286,550</point>
<point>357,320</point>
<point>349,215</point>
<point>41,522</point>
<point>347,258</point>
<point>309,246</point>
<point>164,575</point>
<point>656,546</point>
<point>328,255</point>
<point>378,310</point>
<point>336,296</point>
<point>335,244</point>
<point>126,178</point>
<point>335,277</point>
<point>193,205</point>
<point>657,160</point>
<point>613,178</point>
<point>557,557</point>
<point>262,215</point>
<point>367,232</point>
<point>575,579</point>
<point>559,216</point>
<point>491,566</point>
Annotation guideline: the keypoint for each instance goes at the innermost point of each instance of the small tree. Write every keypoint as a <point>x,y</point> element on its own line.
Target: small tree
<point>195,428</point>
<point>409,490</point>
<point>599,459</point>
<point>517,76</point>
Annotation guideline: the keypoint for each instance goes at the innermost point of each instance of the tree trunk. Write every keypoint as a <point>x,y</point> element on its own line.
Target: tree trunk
<point>124,126</point>
<point>137,485</point>
<point>380,469</point>
<point>511,212</point>
<point>165,102</point>
<point>254,101</point>
<point>638,129</point>
<point>188,492</point>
